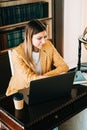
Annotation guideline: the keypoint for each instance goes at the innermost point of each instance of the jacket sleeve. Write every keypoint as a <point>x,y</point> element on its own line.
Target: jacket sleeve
<point>59,63</point>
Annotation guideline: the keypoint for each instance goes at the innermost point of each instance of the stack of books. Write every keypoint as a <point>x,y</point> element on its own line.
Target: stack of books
<point>24,12</point>
<point>19,13</point>
<point>11,39</point>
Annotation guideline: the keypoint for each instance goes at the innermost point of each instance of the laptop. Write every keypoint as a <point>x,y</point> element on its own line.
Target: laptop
<point>51,88</point>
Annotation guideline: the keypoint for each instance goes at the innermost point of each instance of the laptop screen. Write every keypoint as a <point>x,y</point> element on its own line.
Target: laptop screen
<point>51,88</point>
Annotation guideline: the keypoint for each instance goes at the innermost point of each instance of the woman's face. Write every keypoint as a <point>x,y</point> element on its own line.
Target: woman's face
<point>38,40</point>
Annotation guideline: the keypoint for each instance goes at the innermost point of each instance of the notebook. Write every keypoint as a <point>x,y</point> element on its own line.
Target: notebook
<point>51,88</point>
<point>80,78</point>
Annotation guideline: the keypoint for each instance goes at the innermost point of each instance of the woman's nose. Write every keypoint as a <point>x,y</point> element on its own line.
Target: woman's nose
<point>43,40</point>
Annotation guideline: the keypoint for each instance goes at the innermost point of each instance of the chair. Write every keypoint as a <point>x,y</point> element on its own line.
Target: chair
<point>11,64</point>
<point>25,92</point>
<point>5,72</point>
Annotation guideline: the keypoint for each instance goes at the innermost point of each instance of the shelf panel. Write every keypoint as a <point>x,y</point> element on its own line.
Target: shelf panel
<point>22,24</point>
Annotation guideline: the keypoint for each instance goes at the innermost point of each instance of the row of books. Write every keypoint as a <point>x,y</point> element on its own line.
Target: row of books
<point>11,39</point>
<point>25,12</point>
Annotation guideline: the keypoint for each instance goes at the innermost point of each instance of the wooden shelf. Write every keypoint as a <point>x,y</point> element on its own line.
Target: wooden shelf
<point>21,24</point>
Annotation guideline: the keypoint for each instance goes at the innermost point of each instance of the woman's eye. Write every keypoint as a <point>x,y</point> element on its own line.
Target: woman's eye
<point>39,38</point>
<point>45,37</point>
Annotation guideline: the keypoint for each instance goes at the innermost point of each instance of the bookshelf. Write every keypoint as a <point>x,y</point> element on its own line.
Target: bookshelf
<point>14,16</point>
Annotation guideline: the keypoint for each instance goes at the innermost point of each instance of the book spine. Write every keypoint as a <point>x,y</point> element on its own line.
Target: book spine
<point>45,9</point>
<point>3,16</point>
<point>17,37</point>
<point>9,39</point>
<point>22,34</point>
<point>21,12</point>
<point>32,11</point>
<point>24,12</point>
<point>14,14</point>
<point>0,17</point>
<point>3,41</point>
<point>18,16</point>
<point>10,16</point>
<point>28,12</point>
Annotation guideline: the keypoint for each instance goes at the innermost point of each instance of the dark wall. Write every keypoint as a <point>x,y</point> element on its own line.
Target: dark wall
<point>58,24</point>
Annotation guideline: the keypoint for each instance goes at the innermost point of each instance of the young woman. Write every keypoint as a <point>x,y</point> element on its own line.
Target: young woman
<point>33,59</point>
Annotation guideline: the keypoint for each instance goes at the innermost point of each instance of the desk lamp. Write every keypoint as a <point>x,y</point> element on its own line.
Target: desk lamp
<point>81,40</point>
<point>81,67</point>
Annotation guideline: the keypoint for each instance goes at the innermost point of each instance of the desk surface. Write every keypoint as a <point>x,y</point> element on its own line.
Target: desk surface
<point>47,115</point>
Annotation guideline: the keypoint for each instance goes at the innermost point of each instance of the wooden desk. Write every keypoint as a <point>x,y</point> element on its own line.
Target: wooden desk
<point>44,116</point>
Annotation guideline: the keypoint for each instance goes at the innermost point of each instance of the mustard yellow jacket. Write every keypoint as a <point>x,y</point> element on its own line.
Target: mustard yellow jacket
<point>23,73</point>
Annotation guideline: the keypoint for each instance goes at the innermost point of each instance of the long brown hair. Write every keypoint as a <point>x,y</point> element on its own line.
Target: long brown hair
<point>33,27</point>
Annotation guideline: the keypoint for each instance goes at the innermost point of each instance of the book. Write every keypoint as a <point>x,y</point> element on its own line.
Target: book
<point>80,78</point>
<point>0,17</point>
<point>45,9</point>
<point>3,41</point>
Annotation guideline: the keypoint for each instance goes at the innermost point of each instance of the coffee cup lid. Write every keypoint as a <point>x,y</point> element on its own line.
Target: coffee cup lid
<point>18,96</point>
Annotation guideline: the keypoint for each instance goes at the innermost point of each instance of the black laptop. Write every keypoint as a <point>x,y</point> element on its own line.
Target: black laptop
<point>51,88</point>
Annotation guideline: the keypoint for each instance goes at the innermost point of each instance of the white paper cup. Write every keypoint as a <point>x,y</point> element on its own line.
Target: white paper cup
<point>18,101</point>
